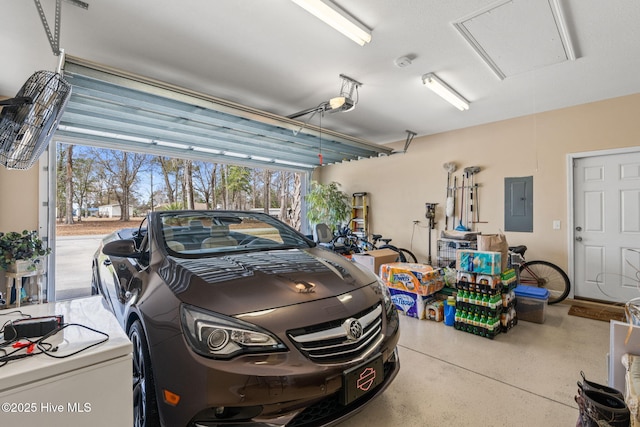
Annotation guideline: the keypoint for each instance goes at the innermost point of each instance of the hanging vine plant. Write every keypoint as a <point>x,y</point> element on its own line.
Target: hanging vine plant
<point>326,203</point>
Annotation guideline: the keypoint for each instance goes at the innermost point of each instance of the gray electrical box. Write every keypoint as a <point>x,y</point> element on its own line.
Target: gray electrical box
<point>518,204</point>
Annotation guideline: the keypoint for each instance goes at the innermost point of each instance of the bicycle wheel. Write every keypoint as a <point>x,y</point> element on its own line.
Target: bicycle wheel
<point>404,255</point>
<point>544,274</point>
<point>407,255</point>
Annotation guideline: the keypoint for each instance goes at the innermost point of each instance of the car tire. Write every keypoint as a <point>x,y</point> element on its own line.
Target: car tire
<point>145,407</point>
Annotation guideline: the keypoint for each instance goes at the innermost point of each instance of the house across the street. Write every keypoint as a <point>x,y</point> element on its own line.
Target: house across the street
<point>111,211</point>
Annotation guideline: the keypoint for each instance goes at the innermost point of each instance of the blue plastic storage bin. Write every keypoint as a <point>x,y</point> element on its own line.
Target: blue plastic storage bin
<point>532,292</point>
<point>531,303</point>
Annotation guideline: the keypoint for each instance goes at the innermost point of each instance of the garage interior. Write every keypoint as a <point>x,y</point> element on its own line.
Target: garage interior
<point>552,94</point>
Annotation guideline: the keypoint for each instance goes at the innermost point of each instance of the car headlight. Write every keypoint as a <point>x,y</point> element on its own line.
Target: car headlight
<point>221,337</point>
<point>384,292</point>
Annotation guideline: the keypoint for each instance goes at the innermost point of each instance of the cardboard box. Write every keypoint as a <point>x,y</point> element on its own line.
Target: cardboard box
<point>420,279</point>
<point>479,262</point>
<point>372,260</point>
<point>408,303</point>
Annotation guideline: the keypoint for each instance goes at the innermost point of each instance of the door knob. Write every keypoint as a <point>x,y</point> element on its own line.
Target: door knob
<point>578,228</point>
<point>578,239</point>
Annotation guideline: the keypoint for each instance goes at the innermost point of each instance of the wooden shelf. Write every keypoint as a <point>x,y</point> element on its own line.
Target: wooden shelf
<point>359,223</point>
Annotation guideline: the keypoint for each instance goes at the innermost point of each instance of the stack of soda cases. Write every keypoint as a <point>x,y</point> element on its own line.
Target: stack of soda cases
<point>485,305</point>
<point>508,318</point>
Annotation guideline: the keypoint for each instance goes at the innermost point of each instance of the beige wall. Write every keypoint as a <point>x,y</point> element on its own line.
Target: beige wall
<point>18,199</point>
<point>536,145</point>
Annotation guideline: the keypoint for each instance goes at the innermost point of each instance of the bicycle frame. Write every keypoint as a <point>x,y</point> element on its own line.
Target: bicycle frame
<point>518,260</point>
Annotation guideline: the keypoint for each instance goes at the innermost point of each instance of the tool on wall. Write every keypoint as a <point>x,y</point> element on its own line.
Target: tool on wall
<point>430,215</point>
<point>454,190</point>
<point>461,226</point>
<point>449,211</point>
<point>473,212</point>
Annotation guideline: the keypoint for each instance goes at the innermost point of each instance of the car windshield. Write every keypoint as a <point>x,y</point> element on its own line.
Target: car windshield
<point>207,232</point>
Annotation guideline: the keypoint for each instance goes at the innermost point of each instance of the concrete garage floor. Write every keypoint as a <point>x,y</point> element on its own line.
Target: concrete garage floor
<point>526,377</point>
<point>74,255</point>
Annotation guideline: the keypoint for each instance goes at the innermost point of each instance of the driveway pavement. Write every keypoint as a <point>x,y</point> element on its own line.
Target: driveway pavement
<point>73,265</point>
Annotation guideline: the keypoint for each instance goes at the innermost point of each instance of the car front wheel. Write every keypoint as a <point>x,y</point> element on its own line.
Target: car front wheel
<point>145,408</point>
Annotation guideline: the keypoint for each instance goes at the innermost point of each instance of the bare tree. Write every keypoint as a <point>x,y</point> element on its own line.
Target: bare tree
<point>61,182</point>
<point>124,168</point>
<point>214,184</point>
<point>188,185</point>
<point>284,195</point>
<point>202,181</point>
<point>255,181</point>
<point>267,190</point>
<point>296,203</point>
<point>168,166</point>
<point>83,182</point>
<point>69,185</point>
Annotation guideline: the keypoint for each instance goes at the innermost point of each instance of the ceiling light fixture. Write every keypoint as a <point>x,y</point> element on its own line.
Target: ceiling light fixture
<point>288,163</point>
<point>102,134</point>
<point>237,155</point>
<point>261,159</point>
<point>431,81</point>
<point>340,20</point>
<point>206,150</point>
<point>171,144</point>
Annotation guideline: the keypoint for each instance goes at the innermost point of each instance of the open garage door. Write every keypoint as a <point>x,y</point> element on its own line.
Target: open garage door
<point>115,109</point>
<point>112,109</point>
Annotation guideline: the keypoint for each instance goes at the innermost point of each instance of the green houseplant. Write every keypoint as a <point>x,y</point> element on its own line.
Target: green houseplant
<point>16,247</point>
<point>326,203</point>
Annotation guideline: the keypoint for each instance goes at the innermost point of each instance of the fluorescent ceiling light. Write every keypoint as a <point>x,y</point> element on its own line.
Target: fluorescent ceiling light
<point>431,81</point>
<point>103,134</point>
<point>337,18</point>
<point>171,144</point>
<point>206,150</point>
<point>261,159</point>
<point>238,155</point>
<point>286,162</point>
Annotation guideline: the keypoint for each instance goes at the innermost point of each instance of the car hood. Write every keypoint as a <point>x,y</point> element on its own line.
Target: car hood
<point>233,284</point>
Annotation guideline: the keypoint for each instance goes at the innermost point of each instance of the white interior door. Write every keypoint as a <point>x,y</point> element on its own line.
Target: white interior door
<point>607,226</point>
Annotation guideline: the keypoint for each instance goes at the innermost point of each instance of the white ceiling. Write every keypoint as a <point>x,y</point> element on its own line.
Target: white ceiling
<point>274,56</point>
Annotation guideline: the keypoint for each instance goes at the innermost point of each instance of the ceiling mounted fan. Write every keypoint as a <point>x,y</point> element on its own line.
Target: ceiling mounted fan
<point>29,120</point>
<point>343,102</point>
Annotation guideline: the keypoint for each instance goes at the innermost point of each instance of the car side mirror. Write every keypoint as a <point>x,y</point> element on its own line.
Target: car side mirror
<point>122,248</point>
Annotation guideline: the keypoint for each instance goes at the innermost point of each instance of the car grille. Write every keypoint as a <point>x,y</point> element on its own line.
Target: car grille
<point>330,342</point>
<point>330,408</point>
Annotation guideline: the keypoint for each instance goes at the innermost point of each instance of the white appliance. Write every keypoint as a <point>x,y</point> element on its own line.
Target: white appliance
<point>91,388</point>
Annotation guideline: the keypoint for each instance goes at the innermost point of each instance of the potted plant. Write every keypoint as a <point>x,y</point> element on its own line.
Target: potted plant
<point>21,252</point>
<point>327,204</point>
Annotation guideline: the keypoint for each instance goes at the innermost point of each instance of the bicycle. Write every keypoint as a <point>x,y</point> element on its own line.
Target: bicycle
<point>344,242</point>
<point>404,255</point>
<point>542,274</point>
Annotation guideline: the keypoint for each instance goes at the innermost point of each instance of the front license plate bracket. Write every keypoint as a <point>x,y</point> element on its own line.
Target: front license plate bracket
<point>361,379</point>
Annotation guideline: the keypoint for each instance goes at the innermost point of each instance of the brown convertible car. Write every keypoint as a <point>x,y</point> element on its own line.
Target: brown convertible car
<point>237,319</point>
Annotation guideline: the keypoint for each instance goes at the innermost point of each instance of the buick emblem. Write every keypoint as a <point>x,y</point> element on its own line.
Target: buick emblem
<point>353,327</point>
